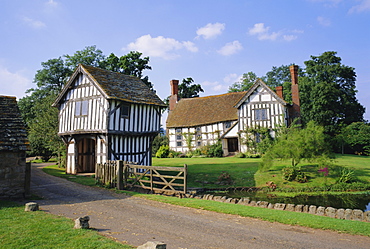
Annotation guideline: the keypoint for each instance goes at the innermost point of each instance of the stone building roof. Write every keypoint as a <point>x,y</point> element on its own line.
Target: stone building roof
<point>191,112</point>
<point>13,136</point>
<point>115,85</point>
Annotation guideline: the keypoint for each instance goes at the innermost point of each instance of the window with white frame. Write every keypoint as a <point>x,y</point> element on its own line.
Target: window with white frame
<point>125,111</point>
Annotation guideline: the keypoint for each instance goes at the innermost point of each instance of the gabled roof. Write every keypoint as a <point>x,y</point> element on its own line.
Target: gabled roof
<point>13,136</point>
<point>190,112</point>
<point>259,83</point>
<point>113,85</point>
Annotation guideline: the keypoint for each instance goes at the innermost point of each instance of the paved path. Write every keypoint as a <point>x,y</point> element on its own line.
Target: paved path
<point>136,221</point>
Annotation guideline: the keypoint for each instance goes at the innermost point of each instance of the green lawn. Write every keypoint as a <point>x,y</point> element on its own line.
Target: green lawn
<point>204,172</point>
<point>20,229</point>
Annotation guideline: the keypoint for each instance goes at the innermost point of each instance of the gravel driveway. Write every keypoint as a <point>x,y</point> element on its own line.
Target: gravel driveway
<point>136,221</point>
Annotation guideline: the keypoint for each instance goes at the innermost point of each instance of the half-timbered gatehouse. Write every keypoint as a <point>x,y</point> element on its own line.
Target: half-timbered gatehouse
<point>106,115</point>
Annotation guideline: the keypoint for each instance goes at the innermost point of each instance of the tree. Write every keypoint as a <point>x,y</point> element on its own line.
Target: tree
<point>328,93</point>
<point>53,76</point>
<point>246,82</point>
<point>357,137</point>
<point>189,90</point>
<point>130,64</point>
<point>297,144</point>
<point>90,55</point>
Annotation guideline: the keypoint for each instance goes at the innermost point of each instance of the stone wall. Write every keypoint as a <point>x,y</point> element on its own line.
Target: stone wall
<point>12,174</point>
<point>340,213</point>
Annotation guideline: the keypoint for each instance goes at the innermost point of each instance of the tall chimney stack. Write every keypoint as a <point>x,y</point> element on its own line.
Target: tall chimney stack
<point>174,94</point>
<point>279,91</point>
<point>296,109</point>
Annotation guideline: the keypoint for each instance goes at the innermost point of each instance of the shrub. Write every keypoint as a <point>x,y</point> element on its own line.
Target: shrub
<point>293,174</point>
<point>163,151</point>
<point>215,150</point>
<point>240,155</point>
<point>225,179</point>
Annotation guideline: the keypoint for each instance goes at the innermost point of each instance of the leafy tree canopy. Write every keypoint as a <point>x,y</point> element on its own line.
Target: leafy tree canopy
<point>357,136</point>
<point>328,93</point>
<point>297,144</point>
<point>245,83</point>
<point>189,90</point>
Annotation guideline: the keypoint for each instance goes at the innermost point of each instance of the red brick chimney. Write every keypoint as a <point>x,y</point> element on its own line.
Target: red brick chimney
<point>279,91</point>
<point>296,109</point>
<point>174,94</point>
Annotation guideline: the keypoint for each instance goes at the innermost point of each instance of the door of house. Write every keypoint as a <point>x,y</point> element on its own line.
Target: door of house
<point>232,144</point>
<point>86,155</point>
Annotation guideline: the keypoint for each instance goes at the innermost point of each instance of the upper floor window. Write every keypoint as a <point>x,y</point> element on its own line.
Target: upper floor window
<point>82,108</point>
<point>260,114</point>
<point>125,111</point>
<point>227,124</point>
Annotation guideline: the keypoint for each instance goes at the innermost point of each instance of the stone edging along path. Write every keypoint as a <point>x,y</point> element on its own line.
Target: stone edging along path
<point>340,213</point>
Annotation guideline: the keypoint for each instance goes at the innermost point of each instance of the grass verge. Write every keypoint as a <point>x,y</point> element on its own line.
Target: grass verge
<point>285,217</point>
<point>20,229</point>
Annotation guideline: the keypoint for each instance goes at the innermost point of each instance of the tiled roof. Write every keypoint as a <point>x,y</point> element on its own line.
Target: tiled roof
<point>13,136</point>
<point>204,110</point>
<point>117,86</point>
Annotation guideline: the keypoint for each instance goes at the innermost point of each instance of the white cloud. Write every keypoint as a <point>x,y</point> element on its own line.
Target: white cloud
<point>232,78</point>
<point>230,48</point>
<point>215,87</point>
<point>323,21</point>
<point>160,46</point>
<point>289,37</point>
<point>263,33</point>
<point>13,84</point>
<point>34,23</point>
<point>52,3</point>
<point>363,6</point>
<point>211,30</point>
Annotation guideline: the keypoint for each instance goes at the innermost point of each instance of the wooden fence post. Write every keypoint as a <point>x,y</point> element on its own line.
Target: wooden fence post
<point>125,173</point>
<point>185,175</point>
<point>120,175</point>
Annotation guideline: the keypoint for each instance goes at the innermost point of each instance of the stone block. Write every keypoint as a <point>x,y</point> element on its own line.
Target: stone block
<point>340,213</point>
<point>367,216</point>
<point>298,208</point>
<point>331,212</point>
<point>305,209</point>
<point>357,214</point>
<point>279,206</point>
<point>82,223</point>
<point>290,207</point>
<point>244,201</point>
<point>320,211</point>
<point>253,203</point>
<point>312,209</point>
<point>153,245</point>
<point>271,206</point>
<point>348,214</point>
<point>31,206</point>
<point>263,204</point>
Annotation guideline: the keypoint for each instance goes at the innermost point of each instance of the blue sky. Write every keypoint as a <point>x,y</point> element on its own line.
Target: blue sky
<point>212,41</point>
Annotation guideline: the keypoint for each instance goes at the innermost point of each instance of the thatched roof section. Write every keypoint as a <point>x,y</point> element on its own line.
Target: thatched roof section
<point>13,136</point>
<point>204,110</point>
<point>117,86</point>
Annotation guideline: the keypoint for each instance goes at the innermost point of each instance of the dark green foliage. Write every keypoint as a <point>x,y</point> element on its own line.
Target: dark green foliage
<point>159,140</point>
<point>257,139</point>
<point>294,174</point>
<point>297,144</point>
<point>246,82</point>
<point>215,150</point>
<point>163,151</point>
<point>328,93</point>
<point>357,137</point>
<point>189,90</point>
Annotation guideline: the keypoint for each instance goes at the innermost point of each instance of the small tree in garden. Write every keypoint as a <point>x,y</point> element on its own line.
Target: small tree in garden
<point>297,144</point>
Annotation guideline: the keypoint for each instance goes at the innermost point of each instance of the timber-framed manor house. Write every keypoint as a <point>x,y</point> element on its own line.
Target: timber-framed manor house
<point>105,115</point>
<point>223,117</point>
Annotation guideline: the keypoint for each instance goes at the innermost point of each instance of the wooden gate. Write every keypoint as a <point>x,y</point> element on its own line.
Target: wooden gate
<point>127,175</point>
